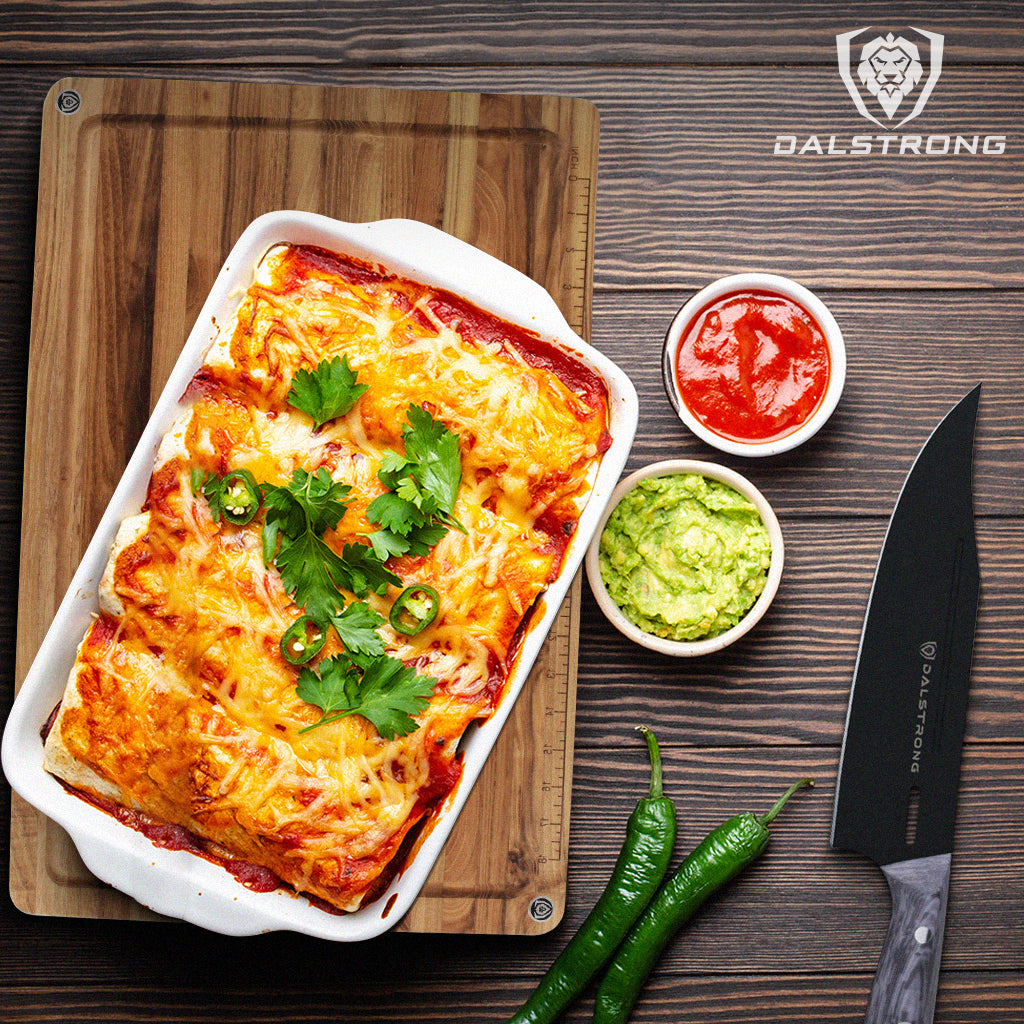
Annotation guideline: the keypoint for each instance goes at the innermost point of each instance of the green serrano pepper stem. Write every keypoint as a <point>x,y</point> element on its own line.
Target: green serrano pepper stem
<point>719,857</point>
<point>638,871</point>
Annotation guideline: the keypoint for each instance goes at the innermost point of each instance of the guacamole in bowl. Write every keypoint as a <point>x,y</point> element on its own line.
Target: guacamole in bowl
<point>687,559</point>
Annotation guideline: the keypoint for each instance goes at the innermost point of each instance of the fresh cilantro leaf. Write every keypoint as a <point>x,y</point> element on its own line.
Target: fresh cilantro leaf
<point>334,688</point>
<point>309,502</point>
<point>328,391</point>
<point>321,497</point>
<point>311,571</point>
<point>297,515</point>
<point>357,627</point>
<point>391,693</point>
<point>208,485</point>
<point>391,512</point>
<point>436,450</point>
<point>416,541</point>
<point>423,538</point>
<point>366,571</point>
<point>392,465</point>
<point>410,490</point>
<point>312,574</point>
<point>423,485</point>
<point>269,539</point>
<point>385,544</point>
<point>388,693</point>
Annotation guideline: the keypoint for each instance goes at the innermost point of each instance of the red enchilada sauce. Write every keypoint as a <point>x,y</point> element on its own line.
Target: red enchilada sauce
<point>753,366</point>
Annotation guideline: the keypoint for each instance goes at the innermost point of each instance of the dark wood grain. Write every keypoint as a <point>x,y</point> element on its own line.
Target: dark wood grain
<point>649,31</point>
<point>920,258</point>
<point>690,188</point>
<point>758,925</point>
<point>490,998</point>
<point>800,878</point>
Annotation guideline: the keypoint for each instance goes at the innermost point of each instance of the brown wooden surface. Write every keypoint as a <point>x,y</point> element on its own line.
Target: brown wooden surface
<point>921,262</point>
<point>142,191</point>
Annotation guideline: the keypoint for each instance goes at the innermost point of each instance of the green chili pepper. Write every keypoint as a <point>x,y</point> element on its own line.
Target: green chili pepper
<point>240,497</point>
<point>720,856</point>
<point>197,478</point>
<point>638,871</point>
<point>414,609</point>
<point>303,640</point>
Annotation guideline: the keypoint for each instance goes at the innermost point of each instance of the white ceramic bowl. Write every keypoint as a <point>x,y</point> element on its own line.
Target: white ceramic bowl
<point>759,282</point>
<point>708,645</point>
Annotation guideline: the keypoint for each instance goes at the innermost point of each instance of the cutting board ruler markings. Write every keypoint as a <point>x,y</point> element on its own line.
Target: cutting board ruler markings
<point>579,247</point>
<point>556,748</point>
<point>554,751</point>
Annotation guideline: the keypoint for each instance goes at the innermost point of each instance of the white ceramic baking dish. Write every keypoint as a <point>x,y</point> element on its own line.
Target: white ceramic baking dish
<point>180,884</point>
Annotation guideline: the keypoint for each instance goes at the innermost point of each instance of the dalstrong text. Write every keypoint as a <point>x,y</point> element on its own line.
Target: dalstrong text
<point>890,145</point>
<point>928,652</point>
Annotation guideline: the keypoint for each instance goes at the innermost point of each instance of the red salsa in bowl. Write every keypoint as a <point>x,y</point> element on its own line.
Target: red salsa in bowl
<point>754,364</point>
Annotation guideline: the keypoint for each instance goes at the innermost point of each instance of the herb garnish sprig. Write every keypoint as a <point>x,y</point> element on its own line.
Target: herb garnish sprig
<point>326,392</point>
<point>416,510</point>
<point>298,514</point>
<point>383,690</point>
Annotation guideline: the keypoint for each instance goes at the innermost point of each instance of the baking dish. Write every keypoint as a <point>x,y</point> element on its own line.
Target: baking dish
<point>177,883</point>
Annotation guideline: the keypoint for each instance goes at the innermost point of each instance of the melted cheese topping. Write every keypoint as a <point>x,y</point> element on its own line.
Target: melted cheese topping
<point>180,703</point>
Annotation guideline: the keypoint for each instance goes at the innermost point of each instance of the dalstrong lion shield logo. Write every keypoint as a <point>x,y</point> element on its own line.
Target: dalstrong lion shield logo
<point>890,69</point>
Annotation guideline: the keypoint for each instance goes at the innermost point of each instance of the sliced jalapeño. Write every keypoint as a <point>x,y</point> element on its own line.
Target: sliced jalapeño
<point>414,609</point>
<point>303,640</point>
<point>240,497</point>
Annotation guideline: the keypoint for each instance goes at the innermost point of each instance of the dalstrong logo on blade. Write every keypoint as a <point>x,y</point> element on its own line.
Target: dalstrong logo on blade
<point>890,69</point>
<point>928,651</point>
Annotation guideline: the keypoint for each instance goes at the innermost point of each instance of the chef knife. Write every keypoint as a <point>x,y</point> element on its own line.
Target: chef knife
<point>899,767</point>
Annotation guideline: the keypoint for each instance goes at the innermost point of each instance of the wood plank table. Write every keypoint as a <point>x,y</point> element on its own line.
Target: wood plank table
<point>729,141</point>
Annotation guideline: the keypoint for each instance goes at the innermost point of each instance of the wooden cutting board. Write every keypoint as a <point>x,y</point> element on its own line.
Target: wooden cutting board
<point>144,185</point>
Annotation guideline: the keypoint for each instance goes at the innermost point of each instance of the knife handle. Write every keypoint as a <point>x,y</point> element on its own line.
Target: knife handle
<point>908,969</point>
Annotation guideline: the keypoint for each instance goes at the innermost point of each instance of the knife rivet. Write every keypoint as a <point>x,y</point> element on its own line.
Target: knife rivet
<point>923,935</point>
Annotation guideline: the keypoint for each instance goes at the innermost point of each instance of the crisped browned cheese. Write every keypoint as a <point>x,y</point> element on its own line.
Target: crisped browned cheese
<point>180,704</point>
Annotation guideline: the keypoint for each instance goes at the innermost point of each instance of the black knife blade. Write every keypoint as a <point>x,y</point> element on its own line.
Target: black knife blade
<point>899,768</point>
